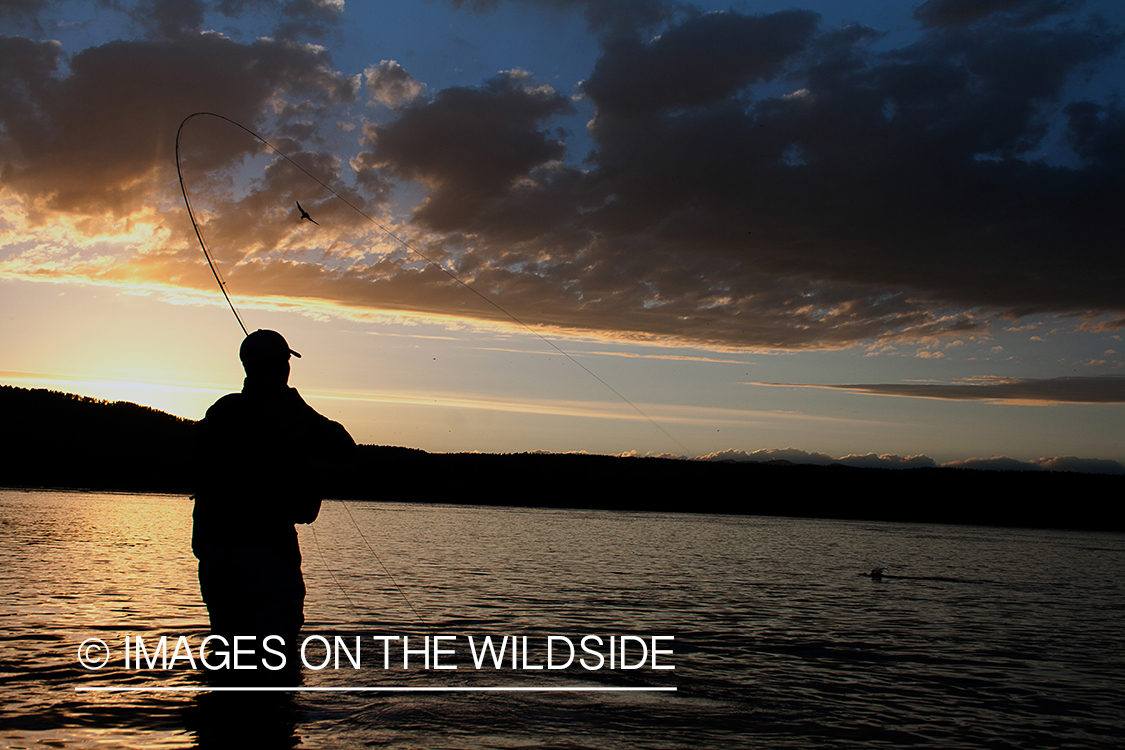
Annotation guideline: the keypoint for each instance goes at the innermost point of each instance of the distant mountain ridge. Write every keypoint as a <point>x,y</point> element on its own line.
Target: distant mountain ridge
<point>61,440</point>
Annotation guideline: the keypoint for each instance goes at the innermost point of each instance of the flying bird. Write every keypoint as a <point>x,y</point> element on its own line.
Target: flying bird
<point>305,214</point>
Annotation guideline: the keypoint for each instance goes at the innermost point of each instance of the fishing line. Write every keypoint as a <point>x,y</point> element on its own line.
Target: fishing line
<point>316,540</point>
<point>402,242</point>
<point>384,567</point>
<point>223,288</point>
<point>340,586</point>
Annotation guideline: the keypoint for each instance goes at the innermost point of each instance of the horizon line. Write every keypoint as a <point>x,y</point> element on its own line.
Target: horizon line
<point>365,689</point>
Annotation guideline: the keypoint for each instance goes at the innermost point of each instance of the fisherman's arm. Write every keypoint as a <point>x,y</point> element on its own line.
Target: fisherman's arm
<point>333,459</point>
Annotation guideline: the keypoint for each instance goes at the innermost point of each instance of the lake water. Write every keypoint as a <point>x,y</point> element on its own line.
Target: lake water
<point>984,638</point>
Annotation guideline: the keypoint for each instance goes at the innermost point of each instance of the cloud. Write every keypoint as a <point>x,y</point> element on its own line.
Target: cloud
<point>889,190</point>
<point>1083,465</point>
<point>1057,463</point>
<point>887,461</point>
<point>601,15</point>
<point>87,170</point>
<point>892,200</point>
<point>793,455</point>
<point>700,61</point>
<point>892,461</point>
<point>391,85</point>
<point>88,144</point>
<point>796,456</point>
<point>264,226</point>
<point>169,18</point>
<point>996,463</point>
<point>1097,133</point>
<point>469,145</point>
<point>964,12</point>
<point>288,20</point>
<point>754,181</point>
<point>22,13</point>
<point>308,18</point>
<point>1103,389</point>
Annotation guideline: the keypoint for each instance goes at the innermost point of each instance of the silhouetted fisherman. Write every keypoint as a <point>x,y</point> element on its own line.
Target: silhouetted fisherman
<point>266,460</point>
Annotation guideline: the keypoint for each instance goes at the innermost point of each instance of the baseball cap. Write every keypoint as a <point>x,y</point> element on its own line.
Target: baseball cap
<point>263,344</point>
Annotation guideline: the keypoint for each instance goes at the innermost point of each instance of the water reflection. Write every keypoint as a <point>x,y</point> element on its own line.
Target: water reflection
<point>985,637</point>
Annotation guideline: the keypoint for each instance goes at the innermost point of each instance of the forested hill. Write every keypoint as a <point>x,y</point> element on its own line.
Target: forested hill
<point>61,440</point>
<point>58,439</point>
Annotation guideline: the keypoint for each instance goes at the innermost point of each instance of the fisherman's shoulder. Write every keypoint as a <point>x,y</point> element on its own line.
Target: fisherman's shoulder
<point>296,401</point>
<point>330,430</point>
<point>230,405</point>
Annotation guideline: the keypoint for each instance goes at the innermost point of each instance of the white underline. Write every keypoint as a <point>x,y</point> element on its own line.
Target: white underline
<point>352,689</point>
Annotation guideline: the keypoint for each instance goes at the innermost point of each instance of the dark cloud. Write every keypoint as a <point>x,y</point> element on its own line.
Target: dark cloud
<point>886,194</point>
<point>1104,389</point>
<point>308,19</point>
<point>29,69</point>
<point>1097,135</point>
<point>169,18</point>
<point>997,463</point>
<point>963,12</point>
<point>172,19</point>
<point>792,455</point>
<point>469,145</point>
<point>1057,463</point>
<point>100,139</point>
<point>702,60</point>
<point>753,182</point>
<point>886,461</point>
<point>22,13</point>
<point>1083,465</point>
<point>21,7</point>
<point>601,14</point>
<point>367,175</point>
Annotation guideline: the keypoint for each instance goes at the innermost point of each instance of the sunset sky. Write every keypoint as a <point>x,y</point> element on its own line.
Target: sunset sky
<point>887,230</point>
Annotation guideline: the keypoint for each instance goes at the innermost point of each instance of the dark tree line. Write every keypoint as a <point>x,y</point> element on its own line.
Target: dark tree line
<point>62,440</point>
<point>57,439</point>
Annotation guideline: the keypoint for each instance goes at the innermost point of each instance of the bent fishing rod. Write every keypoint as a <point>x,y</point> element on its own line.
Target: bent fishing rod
<point>195,225</point>
<point>491,302</point>
<point>223,288</point>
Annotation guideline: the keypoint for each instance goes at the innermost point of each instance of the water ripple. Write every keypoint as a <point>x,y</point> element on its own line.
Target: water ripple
<point>977,638</point>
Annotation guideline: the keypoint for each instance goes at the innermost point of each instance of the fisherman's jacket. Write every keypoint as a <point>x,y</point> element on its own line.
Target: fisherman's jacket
<point>266,460</point>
